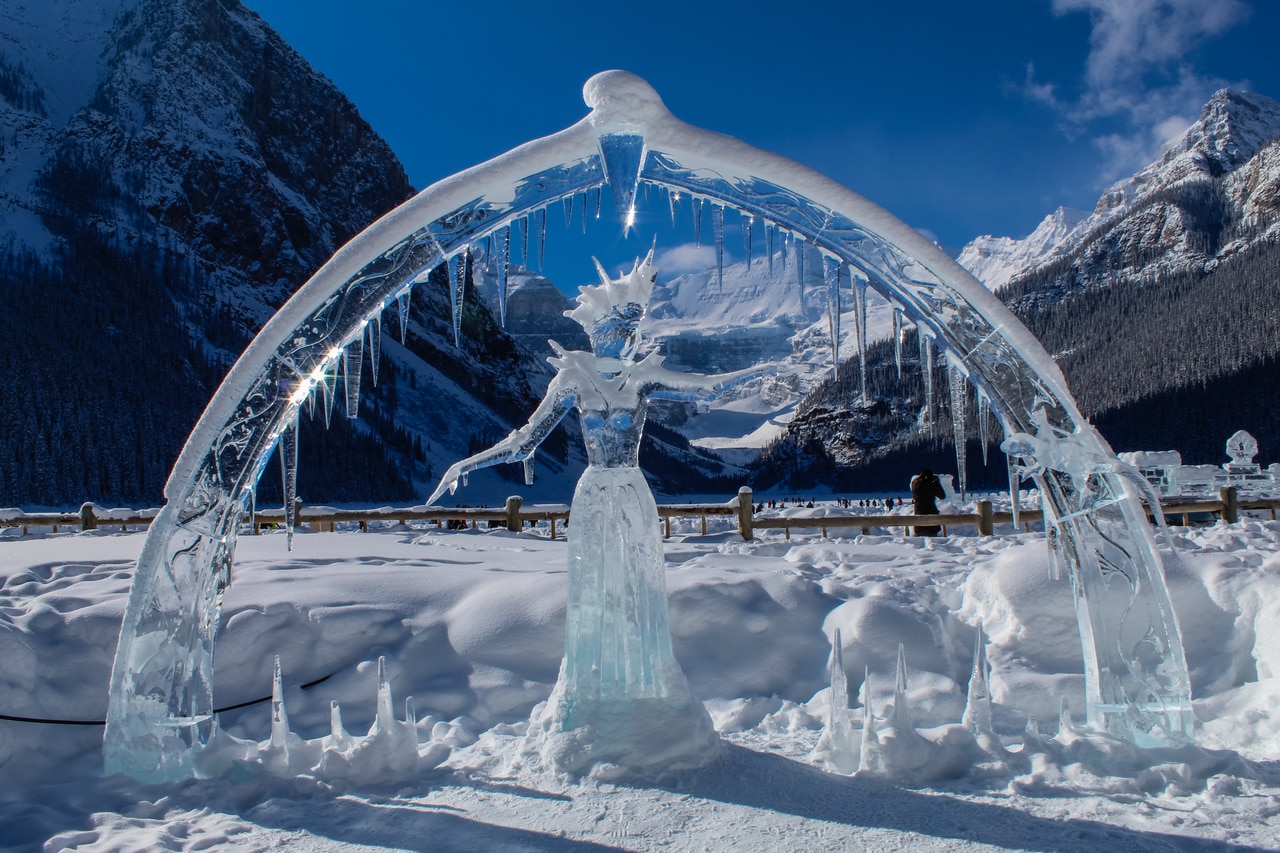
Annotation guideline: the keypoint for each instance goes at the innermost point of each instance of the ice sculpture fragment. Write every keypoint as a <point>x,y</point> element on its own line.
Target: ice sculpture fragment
<point>1136,679</point>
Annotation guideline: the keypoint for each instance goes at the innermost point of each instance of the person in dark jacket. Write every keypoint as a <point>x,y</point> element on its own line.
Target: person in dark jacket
<point>926,489</point>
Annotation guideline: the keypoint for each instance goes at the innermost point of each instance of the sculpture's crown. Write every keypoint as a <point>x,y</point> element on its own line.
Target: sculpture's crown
<point>611,311</point>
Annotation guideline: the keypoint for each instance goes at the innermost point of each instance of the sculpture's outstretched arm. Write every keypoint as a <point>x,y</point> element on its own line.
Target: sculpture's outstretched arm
<point>671,385</point>
<point>520,444</point>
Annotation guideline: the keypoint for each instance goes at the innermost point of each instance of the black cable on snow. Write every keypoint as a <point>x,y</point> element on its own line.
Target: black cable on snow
<point>16,719</point>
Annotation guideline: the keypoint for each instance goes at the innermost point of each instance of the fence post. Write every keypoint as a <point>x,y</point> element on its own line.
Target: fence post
<point>513,513</point>
<point>88,521</point>
<point>986,519</point>
<point>1230,504</point>
<point>746,507</point>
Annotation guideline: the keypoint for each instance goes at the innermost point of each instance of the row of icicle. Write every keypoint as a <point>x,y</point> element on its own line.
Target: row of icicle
<point>498,254</point>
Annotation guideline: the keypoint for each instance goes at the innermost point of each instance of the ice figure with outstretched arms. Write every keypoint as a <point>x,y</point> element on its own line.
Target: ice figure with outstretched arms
<point>621,697</point>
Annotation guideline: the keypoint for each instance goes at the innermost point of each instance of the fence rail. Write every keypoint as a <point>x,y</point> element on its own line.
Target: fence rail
<point>514,515</point>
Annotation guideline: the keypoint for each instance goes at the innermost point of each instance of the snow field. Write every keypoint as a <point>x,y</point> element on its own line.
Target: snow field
<point>471,625</point>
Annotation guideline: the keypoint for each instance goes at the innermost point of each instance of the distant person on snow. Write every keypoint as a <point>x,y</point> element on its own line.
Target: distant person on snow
<point>926,489</point>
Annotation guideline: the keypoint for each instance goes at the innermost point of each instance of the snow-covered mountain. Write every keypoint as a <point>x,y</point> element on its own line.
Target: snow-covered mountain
<point>995,261</point>
<point>170,172</point>
<point>762,313</point>
<point>1159,306</point>
<point>1216,185</point>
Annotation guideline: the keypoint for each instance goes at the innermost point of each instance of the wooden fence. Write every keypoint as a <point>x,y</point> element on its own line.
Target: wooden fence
<point>515,516</point>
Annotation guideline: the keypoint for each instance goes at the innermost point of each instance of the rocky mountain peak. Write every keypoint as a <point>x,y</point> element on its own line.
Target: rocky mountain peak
<point>1232,128</point>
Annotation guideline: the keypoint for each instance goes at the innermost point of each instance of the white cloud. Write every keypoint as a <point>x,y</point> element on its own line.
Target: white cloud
<point>686,258</point>
<point>1137,72</point>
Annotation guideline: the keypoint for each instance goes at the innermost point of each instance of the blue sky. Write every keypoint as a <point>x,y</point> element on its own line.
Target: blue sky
<point>962,118</point>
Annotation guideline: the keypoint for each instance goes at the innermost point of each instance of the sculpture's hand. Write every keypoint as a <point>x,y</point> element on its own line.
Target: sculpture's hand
<point>449,482</point>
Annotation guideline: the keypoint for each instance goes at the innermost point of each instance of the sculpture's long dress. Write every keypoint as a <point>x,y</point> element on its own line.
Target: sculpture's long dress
<point>621,696</point>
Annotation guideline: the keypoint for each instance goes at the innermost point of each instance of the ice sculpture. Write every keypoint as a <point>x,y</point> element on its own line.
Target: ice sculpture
<point>1242,447</point>
<point>161,699</point>
<point>621,696</point>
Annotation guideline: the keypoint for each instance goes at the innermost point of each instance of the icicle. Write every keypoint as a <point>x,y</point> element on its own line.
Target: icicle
<point>1015,483</point>
<point>528,471</point>
<point>1052,534</point>
<point>329,383</point>
<point>747,223</point>
<point>583,196</point>
<point>901,709</point>
<point>898,334</point>
<point>786,238</point>
<point>568,211</point>
<point>524,240</point>
<point>541,218</point>
<point>599,194</point>
<point>959,401</point>
<point>403,301</point>
<point>800,247</point>
<point>926,373</point>
<point>984,418</point>
<point>717,232</point>
<point>375,344</point>
<point>279,715</point>
<point>289,472</point>
<point>504,268</point>
<point>673,198</point>
<point>385,718</point>
<point>860,326</point>
<point>338,737</point>
<point>831,273</point>
<point>768,246</point>
<point>697,222</point>
<point>977,705</point>
<point>352,361</point>
<point>457,276</point>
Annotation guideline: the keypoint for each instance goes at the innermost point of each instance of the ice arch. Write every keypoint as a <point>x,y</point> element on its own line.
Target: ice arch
<point>161,702</point>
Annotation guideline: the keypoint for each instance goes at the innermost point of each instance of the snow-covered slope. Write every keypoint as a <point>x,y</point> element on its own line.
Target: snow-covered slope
<point>186,137</point>
<point>471,624</point>
<point>1169,215</point>
<point>995,261</point>
<point>762,314</point>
